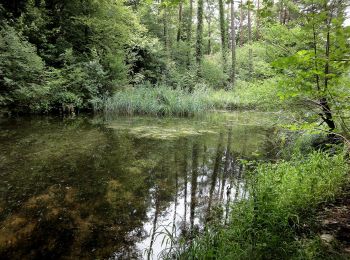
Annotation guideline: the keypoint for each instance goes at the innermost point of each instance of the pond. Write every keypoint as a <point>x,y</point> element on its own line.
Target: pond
<point>120,187</point>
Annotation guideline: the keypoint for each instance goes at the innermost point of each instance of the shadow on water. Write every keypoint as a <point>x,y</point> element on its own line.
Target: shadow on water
<point>120,188</point>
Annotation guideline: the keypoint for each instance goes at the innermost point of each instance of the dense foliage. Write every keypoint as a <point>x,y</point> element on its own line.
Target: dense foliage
<point>64,54</point>
<point>71,55</point>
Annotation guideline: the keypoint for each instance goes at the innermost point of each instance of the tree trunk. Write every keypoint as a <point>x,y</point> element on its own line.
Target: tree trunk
<point>280,12</point>
<point>257,20</point>
<point>328,118</point>
<point>228,34</point>
<point>250,40</point>
<point>189,33</point>
<point>223,33</point>
<point>179,29</point>
<point>241,25</point>
<point>327,114</point>
<point>209,37</point>
<point>317,77</point>
<point>165,27</point>
<point>285,13</point>
<point>209,17</point>
<point>199,39</point>
<point>233,44</point>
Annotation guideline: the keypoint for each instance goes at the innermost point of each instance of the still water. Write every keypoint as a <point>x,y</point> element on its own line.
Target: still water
<point>119,188</point>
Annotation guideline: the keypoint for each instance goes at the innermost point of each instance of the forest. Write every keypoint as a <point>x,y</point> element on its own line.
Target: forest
<point>156,103</point>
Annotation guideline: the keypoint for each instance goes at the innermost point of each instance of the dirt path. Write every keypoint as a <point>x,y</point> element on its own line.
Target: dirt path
<point>334,222</point>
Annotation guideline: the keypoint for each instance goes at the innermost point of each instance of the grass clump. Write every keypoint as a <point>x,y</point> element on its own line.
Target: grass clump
<point>158,100</point>
<point>283,197</point>
<point>163,100</point>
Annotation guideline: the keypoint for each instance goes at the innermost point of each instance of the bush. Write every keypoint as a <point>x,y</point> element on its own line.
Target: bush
<point>27,84</point>
<point>212,71</point>
<point>21,71</point>
<point>261,66</point>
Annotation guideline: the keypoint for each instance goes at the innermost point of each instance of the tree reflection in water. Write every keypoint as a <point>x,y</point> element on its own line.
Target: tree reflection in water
<point>87,188</point>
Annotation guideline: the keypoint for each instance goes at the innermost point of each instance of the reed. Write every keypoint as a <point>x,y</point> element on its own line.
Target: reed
<point>158,100</point>
<point>164,100</point>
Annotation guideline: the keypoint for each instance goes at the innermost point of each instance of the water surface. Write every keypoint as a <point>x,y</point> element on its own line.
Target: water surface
<point>111,188</point>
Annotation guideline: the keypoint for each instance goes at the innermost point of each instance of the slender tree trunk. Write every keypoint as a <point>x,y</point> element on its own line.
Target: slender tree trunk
<point>249,23</point>
<point>86,27</point>
<point>209,20</point>
<point>328,42</point>
<point>223,33</point>
<point>285,14</point>
<point>250,40</point>
<point>199,39</point>
<point>233,44</point>
<point>317,77</point>
<point>326,114</point>
<point>165,28</point>
<point>328,118</point>
<point>280,12</point>
<point>257,21</point>
<point>241,25</point>
<point>209,37</point>
<point>179,29</point>
<point>189,33</point>
<point>228,35</point>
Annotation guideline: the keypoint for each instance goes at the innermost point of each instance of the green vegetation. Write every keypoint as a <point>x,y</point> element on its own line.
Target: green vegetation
<point>162,100</point>
<point>182,58</point>
<point>63,55</point>
<point>273,222</point>
<point>71,55</point>
<point>158,101</point>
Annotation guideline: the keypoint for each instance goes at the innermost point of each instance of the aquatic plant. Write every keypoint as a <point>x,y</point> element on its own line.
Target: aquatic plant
<point>162,100</point>
<point>159,100</point>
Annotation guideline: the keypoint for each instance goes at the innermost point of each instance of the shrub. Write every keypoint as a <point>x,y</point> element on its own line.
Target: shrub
<point>212,71</point>
<point>21,71</point>
<point>261,66</point>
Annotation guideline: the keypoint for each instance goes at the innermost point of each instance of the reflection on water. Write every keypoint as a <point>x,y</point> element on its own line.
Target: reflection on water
<point>119,188</point>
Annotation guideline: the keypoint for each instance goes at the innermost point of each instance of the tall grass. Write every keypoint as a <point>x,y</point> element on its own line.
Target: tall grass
<point>159,100</point>
<point>163,100</point>
<point>283,196</point>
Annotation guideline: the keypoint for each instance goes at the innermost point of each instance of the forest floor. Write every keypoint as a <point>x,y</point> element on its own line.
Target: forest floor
<point>333,222</point>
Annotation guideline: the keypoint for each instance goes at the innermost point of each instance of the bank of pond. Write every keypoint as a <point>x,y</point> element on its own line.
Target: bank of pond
<point>221,185</point>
